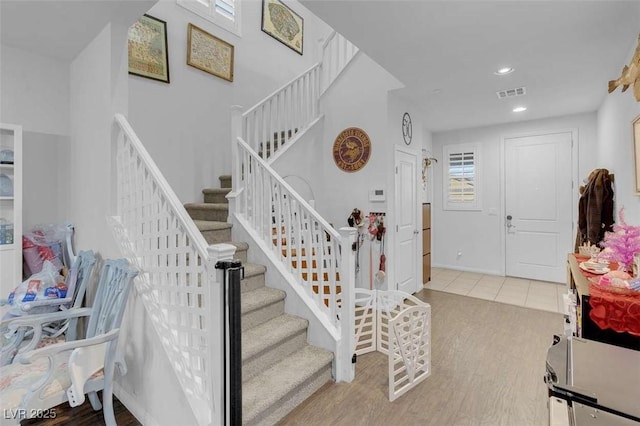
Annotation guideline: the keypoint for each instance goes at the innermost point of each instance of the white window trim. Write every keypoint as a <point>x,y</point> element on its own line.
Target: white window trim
<point>475,205</point>
<point>233,26</point>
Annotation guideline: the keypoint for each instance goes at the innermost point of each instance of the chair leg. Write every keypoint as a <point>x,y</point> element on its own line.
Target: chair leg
<point>107,399</point>
<point>95,401</point>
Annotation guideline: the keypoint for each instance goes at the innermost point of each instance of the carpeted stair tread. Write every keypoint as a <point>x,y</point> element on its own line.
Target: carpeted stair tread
<point>216,190</point>
<point>210,225</point>
<point>253,269</point>
<point>255,299</point>
<point>280,328</point>
<point>207,206</point>
<point>276,383</point>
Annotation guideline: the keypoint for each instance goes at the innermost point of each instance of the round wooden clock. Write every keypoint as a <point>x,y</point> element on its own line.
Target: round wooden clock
<point>351,149</point>
<point>407,131</point>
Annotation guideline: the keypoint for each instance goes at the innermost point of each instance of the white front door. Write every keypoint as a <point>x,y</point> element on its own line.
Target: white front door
<point>406,213</point>
<point>538,205</point>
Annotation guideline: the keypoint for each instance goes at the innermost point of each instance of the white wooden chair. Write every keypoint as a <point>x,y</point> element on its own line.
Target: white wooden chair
<point>43,378</point>
<point>15,341</point>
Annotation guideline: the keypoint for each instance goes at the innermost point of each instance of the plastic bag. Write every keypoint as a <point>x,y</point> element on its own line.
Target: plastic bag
<point>42,243</point>
<point>46,284</point>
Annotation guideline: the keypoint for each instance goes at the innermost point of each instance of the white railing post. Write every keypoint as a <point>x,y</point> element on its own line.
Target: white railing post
<point>215,289</point>
<point>345,369</point>
<point>236,172</point>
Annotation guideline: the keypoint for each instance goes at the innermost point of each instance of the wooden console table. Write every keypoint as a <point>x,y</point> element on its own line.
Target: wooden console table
<point>579,280</point>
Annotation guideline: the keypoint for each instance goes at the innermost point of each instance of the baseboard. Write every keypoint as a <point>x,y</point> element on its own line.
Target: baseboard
<point>133,406</point>
<point>466,269</point>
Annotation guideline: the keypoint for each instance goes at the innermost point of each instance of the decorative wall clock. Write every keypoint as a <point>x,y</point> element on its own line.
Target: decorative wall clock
<point>407,131</point>
<point>351,149</point>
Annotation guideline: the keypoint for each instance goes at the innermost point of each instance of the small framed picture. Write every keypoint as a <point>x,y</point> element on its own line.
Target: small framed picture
<point>283,24</point>
<point>209,53</point>
<point>148,53</point>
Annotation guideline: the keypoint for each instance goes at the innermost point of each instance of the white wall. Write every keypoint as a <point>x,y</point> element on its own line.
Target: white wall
<point>35,91</point>
<point>179,142</point>
<point>615,146</point>
<point>45,180</point>
<point>477,233</point>
<point>35,95</point>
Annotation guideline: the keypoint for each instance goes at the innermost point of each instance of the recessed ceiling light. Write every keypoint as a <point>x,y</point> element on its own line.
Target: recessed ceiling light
<point>504,71</point>
<point>519,109</point>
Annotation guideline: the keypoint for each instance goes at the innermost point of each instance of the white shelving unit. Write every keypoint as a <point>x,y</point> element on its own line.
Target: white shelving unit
<point>10,209</point>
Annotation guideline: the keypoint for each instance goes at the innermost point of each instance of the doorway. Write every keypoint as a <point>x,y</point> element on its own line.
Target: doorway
<point>406,256</point>
<point>539,204</point>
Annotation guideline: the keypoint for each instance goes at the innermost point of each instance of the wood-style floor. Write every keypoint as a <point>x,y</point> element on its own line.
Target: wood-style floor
<point>488,361</point>
<point>84,416</point>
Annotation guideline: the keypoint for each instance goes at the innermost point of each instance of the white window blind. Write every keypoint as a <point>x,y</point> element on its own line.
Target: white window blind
<point>461,183</point>
<point>224,13</point>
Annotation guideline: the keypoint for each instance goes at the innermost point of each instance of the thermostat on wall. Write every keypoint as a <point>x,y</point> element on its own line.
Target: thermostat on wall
<point>376,195</point>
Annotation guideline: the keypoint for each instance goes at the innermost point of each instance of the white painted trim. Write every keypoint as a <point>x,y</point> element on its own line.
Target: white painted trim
<point>575,142</point>
<point>466,269</point>
<point>134,407</point>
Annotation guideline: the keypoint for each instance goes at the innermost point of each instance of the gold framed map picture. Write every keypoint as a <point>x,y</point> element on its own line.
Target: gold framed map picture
<point>283,24</point>
<point>209,53</point>
<point>147,45</point>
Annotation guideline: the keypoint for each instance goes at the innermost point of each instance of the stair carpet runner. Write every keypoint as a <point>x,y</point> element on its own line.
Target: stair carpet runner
<point>279,368</point>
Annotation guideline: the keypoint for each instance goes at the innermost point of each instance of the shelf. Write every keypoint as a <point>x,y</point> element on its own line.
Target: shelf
<point>7,166</point>
<point>7,198</point>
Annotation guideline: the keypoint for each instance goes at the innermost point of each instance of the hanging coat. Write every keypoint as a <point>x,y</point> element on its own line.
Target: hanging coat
<point>595,208</point>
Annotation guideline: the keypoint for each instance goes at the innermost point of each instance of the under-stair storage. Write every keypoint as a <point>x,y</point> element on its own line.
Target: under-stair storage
<point>10,207</point>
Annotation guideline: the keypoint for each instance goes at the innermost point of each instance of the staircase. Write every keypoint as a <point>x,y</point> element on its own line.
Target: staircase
<point>279,368</point>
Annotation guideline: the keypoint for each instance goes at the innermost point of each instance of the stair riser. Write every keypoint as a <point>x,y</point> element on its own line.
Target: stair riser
<point>215,197</point>
<point>290,401</point>
<point>217,215</point>
<point>263,314</point>
<point>217,236</point>
<point>252,283</point>
<point>275,353</point>
<point>225,181</point>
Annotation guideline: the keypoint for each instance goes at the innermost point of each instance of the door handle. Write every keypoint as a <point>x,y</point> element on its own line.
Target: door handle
<point>508,222</point>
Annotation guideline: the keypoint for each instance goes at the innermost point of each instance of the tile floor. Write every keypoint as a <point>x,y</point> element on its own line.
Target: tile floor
<point>542,295</point>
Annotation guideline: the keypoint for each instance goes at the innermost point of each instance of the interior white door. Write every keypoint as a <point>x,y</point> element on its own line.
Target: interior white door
<point>406,209</point>
<point>538,205</point>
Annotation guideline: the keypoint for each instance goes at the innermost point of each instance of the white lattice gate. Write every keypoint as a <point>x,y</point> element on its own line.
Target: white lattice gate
<point>398,325</point>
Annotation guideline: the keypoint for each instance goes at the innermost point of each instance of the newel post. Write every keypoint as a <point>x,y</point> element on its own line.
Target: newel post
<point>215,331</point>
<point>345,368</point>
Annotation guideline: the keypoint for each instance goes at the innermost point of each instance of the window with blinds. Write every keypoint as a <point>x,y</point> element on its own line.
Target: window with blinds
<point>461,184</point>
<point>224,13</point>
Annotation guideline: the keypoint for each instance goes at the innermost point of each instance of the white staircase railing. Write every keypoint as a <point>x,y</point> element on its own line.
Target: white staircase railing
<point>179,284</point>
<point>273,123</point>
<point>318,258</point>
<point>280,116</point>
<point>337,52</point>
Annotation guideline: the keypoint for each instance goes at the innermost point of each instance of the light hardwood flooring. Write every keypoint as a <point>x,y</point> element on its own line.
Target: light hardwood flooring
<point>488,361</point>
<point>543,295</point>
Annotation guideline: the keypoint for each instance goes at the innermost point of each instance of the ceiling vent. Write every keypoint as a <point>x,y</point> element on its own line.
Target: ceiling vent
<point>511,93</point>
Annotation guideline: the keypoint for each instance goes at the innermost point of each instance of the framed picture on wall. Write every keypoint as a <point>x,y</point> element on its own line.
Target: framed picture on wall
<point>283,24</point>
<point>148,53</point>
<point>636,152</point>
<point>209,53</point>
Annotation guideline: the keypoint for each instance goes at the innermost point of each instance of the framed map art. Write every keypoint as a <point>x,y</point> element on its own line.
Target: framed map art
<point>147,45</point>
<point>283,24</point>
<point>209,53</point>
